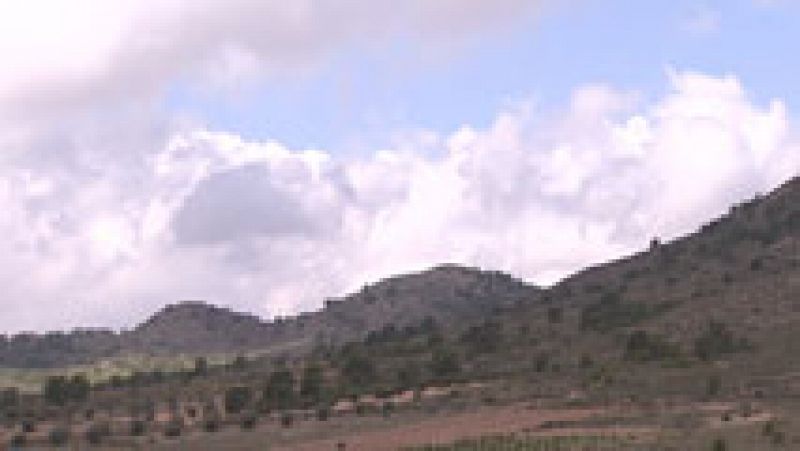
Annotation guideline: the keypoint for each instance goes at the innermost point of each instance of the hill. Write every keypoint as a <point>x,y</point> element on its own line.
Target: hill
<point>449,294</point>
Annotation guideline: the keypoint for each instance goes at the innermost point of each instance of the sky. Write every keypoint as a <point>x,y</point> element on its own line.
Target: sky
<point>266,155</point>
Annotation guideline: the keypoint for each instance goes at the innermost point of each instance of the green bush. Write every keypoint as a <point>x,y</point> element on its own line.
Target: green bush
<point>713,385</point>
<point>28,426</point>
<point>719,445</point>
<point>237,398</point>
<point>137,428</point>
<point>19,440</point>
<point>173,429</point>
<point>279,390</point>
<point>445,363</point>
<point>59,436</point>
<point>97,432</point>
<point>248,421</point>
<point>211,425</point>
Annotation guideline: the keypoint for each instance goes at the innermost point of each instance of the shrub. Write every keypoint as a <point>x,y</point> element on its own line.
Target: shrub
<point>611,312</point>
<point>28,426</point>
<point>97,432</point>
<point>541,363</point>
<point>713,385</point>
<point>279,390</point>
<point>248,421</point>
<point>323,413</point>
<point>9,397</point>
<point>445,363</point>
<point>311,384</point>
<point>359,370</point>
<point>387,409</point>
<point>555,315</point>
<point>237,398</point>
<point>409,375</point>
<point>211,425</point>
<point>719,445</point>
<point>137,428</point>
<point>287,419</point>
<point>173,429</point>
<point>59,436</point>
<point>483,338</point>
<point>717,340</point>
<point>19,440</point>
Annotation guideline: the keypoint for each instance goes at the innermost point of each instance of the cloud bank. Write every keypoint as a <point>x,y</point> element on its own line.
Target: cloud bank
<point>113,207</point>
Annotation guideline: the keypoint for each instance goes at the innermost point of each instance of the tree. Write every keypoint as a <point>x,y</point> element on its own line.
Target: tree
<point>409,375</point>
<point>58,390</point>
<point>78,388</point>
<point>483,338</point>
<point>555,315</point>
<point>279,390</point>
<point>445,363</point>
<point>717,340</point>
<point>358,370</point>
<point>55,390</point>
<point>311,385</point>
<point>58,436</point>
<point>200,366</point>
<point>237,398</point>
<point>9,397</point>
<point>713,385</point>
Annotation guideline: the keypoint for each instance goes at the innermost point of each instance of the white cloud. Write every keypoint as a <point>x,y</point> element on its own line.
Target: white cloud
<point>63,56</point>
<point>112,208</point>
<point>263,227</point>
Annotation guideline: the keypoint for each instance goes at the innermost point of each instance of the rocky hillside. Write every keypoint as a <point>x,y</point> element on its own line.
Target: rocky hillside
<point>741,270</point>
<point>449,294</point>
<point>731,290</point>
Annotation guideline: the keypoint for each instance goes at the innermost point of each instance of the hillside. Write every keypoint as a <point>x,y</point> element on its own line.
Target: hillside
<point>449,294</point>
<point>681,345</point>
<point>742,270</point>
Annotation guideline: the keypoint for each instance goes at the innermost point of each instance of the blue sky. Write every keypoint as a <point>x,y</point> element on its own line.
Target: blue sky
<point>268,154</point>
<point>361,95</point>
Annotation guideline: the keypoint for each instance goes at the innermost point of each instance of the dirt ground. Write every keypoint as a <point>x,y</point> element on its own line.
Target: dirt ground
<point>448,429</point>
<point>378,434</point>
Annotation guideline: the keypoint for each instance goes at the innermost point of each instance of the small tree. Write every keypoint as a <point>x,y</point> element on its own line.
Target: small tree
<point>200,366</point>
<point>358,370</point>
<point>174,428</point>
<point>137,428</point>
<point>248,421</point>
<point>9,397</point>
<point>409,375</point>
<point>311,385</point>
<point>237,398</point>
<point>279,390</point>
<point>97,432</point>
<point>58,436</point>
<point>713,385</point>
<point>445,363</point>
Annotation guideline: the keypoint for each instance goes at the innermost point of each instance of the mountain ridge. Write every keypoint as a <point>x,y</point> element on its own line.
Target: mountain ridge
<point>758,234</point>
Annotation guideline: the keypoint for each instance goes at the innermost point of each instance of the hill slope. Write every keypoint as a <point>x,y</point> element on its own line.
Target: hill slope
<point>450,294</point>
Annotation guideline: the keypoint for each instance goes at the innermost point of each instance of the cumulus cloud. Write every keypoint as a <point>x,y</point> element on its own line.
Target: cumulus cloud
<point>112,207</point>
<point>275,230</point>
<point>61,56</point>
